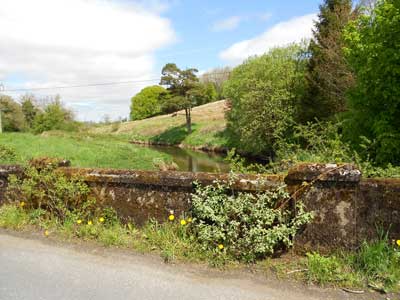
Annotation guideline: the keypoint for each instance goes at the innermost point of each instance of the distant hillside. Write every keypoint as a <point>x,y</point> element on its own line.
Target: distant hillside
<point>208,127</point>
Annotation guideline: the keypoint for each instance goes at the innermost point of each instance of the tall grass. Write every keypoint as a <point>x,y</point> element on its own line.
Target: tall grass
<point>82,150</point>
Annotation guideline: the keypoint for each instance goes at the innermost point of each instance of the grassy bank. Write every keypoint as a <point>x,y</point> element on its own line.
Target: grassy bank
<point>82,150</point>
<point>208,128</point>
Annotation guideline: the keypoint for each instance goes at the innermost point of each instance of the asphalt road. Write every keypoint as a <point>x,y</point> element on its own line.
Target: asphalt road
<point>42,270</point>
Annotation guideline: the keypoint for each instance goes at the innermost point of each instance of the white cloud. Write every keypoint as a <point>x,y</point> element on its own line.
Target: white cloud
<point>230,23</point>
<point>280,34</point>
<point>67,42</point>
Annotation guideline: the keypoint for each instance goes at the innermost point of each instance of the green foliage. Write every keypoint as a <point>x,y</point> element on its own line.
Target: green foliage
<point>7,154</point>
<point>315,142</point>
<point>375,264</point>
<point>329,270</point>
<point>146,103</point>
<point>12,116</point>
<point>379,261</point>
<point>54,117</point>
<point>13,217</point>
<point>29,109</point>
<point>372,49</point>
<point>248,225</point>
<point>328,74</point>
<point>217,78</point>
<point>180,83</point>
<point>263,92</point>
<point>52,191</point>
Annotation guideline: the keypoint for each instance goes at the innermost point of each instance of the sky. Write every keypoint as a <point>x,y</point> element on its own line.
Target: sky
<point>48,44</point>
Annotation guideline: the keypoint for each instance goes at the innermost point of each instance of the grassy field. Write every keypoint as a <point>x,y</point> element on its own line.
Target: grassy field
<point>82,150</point>
<point>208,127</point>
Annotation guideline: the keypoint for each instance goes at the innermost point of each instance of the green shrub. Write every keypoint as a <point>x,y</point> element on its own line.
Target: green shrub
<point>247,226</point>
<point>7,154</point>
<point>263,93</point>
<point>52,191</point>
<point>13,217</point>
<point>372,51</point>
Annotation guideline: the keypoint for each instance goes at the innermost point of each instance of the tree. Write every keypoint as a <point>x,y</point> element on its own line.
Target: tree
<point>11,114</point>
<point>29,109</point>
<point>146,103</point>
<point>217,77</point>
<point>372,49</point>
<point>328,75</point>
<point>54,117</point>
<point>263,92</point>
<point>179,83</point>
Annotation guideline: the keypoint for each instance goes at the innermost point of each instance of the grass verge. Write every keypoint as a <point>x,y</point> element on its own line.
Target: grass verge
<point>375,265</point>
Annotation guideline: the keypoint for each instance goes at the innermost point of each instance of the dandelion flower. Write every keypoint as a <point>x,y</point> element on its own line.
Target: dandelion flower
<point>46,233</point>
<point>171,217</point>
<point>189,220</point>
<point>220,246</point>
<point>79,221</point>
<point>183,222</point>
<point>398,243</point>
<point>89,222</point>
<point>101,220</point>
<point>22,204</point>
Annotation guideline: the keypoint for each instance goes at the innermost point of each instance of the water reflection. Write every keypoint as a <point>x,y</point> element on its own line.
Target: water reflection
<point>195,161</point>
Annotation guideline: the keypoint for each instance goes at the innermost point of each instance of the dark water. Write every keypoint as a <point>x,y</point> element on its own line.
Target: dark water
<point>195,161</point>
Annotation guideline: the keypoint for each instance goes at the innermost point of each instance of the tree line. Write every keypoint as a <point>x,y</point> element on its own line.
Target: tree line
<point>35,115</point>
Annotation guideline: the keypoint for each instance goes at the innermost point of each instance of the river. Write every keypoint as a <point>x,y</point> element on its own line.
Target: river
<point>195,161</point>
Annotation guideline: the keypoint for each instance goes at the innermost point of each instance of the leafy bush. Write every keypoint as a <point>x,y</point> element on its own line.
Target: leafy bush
<point>315,142</point>
<point>372,50</point>
<point>52,191</point>
<point>7,154</point>
<point>146,103</point>
<point>54,117</point>
<point>12,116</point>
<point>248,226</point>
<point>263,93</point>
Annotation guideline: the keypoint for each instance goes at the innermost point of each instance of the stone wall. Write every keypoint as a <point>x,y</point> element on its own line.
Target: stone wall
<point>347,209</point>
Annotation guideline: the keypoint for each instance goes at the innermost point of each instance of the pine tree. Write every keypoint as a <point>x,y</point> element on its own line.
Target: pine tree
<point>328,76</point>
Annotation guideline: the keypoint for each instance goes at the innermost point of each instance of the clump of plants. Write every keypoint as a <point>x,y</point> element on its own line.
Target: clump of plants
<point>50,190</point>
<point>7,154</point>
<point>376,265</point>
<point>247,226</point>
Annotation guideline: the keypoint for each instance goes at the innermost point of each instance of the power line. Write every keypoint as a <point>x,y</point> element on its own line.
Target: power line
<point>2,89</point>
<point>78,86</point>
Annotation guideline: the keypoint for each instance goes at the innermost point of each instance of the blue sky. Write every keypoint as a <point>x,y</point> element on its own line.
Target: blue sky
<point>54,43</point>
<point>194,23</point>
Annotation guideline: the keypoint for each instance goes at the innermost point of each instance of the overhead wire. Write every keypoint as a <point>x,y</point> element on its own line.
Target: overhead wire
<point>90,85</point>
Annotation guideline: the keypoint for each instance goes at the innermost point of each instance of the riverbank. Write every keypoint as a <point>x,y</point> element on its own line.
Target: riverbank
<point>208,129</point>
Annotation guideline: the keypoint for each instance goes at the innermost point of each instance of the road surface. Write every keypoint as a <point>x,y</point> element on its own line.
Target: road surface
<point>31,268</point>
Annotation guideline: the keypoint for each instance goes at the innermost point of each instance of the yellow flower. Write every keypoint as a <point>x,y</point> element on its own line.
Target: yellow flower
<point>183,222</point>
<point>171,217</point>
<point>22,204</point>
<point>79,221</point>
<point>101,220</point>
<point>89,222</point>
<point>46,233</point>
<point>220,246</point>
<point>189,220</point>
<point>398,243</point>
